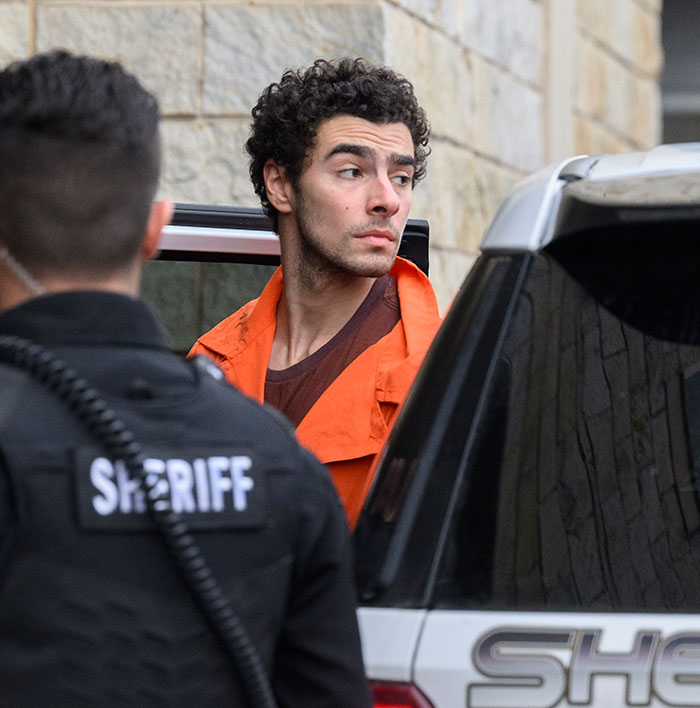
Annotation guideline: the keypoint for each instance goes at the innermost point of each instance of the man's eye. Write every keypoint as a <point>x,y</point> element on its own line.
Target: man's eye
<point>350,172</point>
<point>402,180</point>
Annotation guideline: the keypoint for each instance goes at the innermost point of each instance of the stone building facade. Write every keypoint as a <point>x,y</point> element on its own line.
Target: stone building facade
<point>509,85</point>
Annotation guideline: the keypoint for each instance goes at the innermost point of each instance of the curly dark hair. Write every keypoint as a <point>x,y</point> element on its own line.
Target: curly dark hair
<point>287,115</point>
<point>79,162</point>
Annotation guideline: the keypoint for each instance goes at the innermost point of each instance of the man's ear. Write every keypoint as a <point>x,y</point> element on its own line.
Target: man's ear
<point>278,187</point>
<point>161,214</point>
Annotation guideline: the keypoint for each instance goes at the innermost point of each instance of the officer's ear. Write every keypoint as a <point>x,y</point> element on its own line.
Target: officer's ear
<point>278,187</point>
<point>161,214</point>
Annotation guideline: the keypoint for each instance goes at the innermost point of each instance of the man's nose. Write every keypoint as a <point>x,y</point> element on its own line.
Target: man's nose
<point>383,197</point>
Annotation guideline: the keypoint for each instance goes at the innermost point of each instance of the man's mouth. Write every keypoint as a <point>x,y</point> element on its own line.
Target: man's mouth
<point>377,237</point>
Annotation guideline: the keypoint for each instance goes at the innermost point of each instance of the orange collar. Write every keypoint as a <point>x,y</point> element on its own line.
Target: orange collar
<point>346,422</point>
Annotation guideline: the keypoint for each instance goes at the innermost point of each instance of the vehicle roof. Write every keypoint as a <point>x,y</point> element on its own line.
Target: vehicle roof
<point>585,191</point>
<point>206,232</point>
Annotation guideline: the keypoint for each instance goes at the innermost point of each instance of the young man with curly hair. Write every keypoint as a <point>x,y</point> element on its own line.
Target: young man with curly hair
<point>336,337</point>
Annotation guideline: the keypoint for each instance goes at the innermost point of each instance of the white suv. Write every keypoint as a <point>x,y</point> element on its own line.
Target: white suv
<point>532,538</point>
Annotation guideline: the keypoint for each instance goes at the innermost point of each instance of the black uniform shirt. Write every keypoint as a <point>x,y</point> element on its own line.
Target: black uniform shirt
<point>113,341</point>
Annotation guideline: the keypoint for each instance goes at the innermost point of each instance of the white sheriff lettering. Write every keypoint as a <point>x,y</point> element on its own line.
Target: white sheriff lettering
<point>202,485</point>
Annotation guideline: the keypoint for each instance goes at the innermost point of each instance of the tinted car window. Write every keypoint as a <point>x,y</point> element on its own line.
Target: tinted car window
<point>398,536</point>
<point>192,297</point>
<point>581,491</point>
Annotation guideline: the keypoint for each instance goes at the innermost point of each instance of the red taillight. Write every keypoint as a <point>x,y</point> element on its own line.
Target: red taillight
<point>397,695</point>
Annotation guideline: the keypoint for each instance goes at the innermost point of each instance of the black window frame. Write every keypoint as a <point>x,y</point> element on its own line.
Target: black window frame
<point>398,551</point>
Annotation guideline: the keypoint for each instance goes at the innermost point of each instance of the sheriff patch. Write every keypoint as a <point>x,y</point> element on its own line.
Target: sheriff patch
<point>211,488</point>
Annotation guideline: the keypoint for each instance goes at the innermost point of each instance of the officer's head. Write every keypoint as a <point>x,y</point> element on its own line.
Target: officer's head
<point>79,166</point>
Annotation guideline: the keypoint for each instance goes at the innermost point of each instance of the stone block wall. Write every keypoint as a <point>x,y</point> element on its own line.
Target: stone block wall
<point>617,104</point>
<point>508,85</point>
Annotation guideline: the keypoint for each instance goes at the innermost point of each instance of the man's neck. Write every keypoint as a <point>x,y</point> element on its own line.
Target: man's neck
<point>309,317</point>
<point>14,292</point>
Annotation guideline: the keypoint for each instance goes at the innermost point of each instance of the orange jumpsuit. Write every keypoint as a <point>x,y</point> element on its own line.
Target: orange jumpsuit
<point>350,421</point>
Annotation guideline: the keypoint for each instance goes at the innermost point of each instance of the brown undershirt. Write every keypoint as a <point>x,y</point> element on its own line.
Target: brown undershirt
<point>295,390</point>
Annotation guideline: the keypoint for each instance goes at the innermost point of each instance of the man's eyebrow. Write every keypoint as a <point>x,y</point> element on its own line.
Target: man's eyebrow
<point>351,149</point>
<point>364,151</point>
<point>407,160</point>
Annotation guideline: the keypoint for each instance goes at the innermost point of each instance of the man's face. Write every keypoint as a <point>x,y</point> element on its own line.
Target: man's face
<point>354,195</point>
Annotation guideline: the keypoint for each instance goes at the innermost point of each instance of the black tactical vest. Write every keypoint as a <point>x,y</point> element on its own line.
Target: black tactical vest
<point>92,609</point>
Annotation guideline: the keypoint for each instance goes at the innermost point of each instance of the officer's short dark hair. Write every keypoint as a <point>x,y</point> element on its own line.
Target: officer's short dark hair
<point>288,114</point>
<point>79,163</point>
